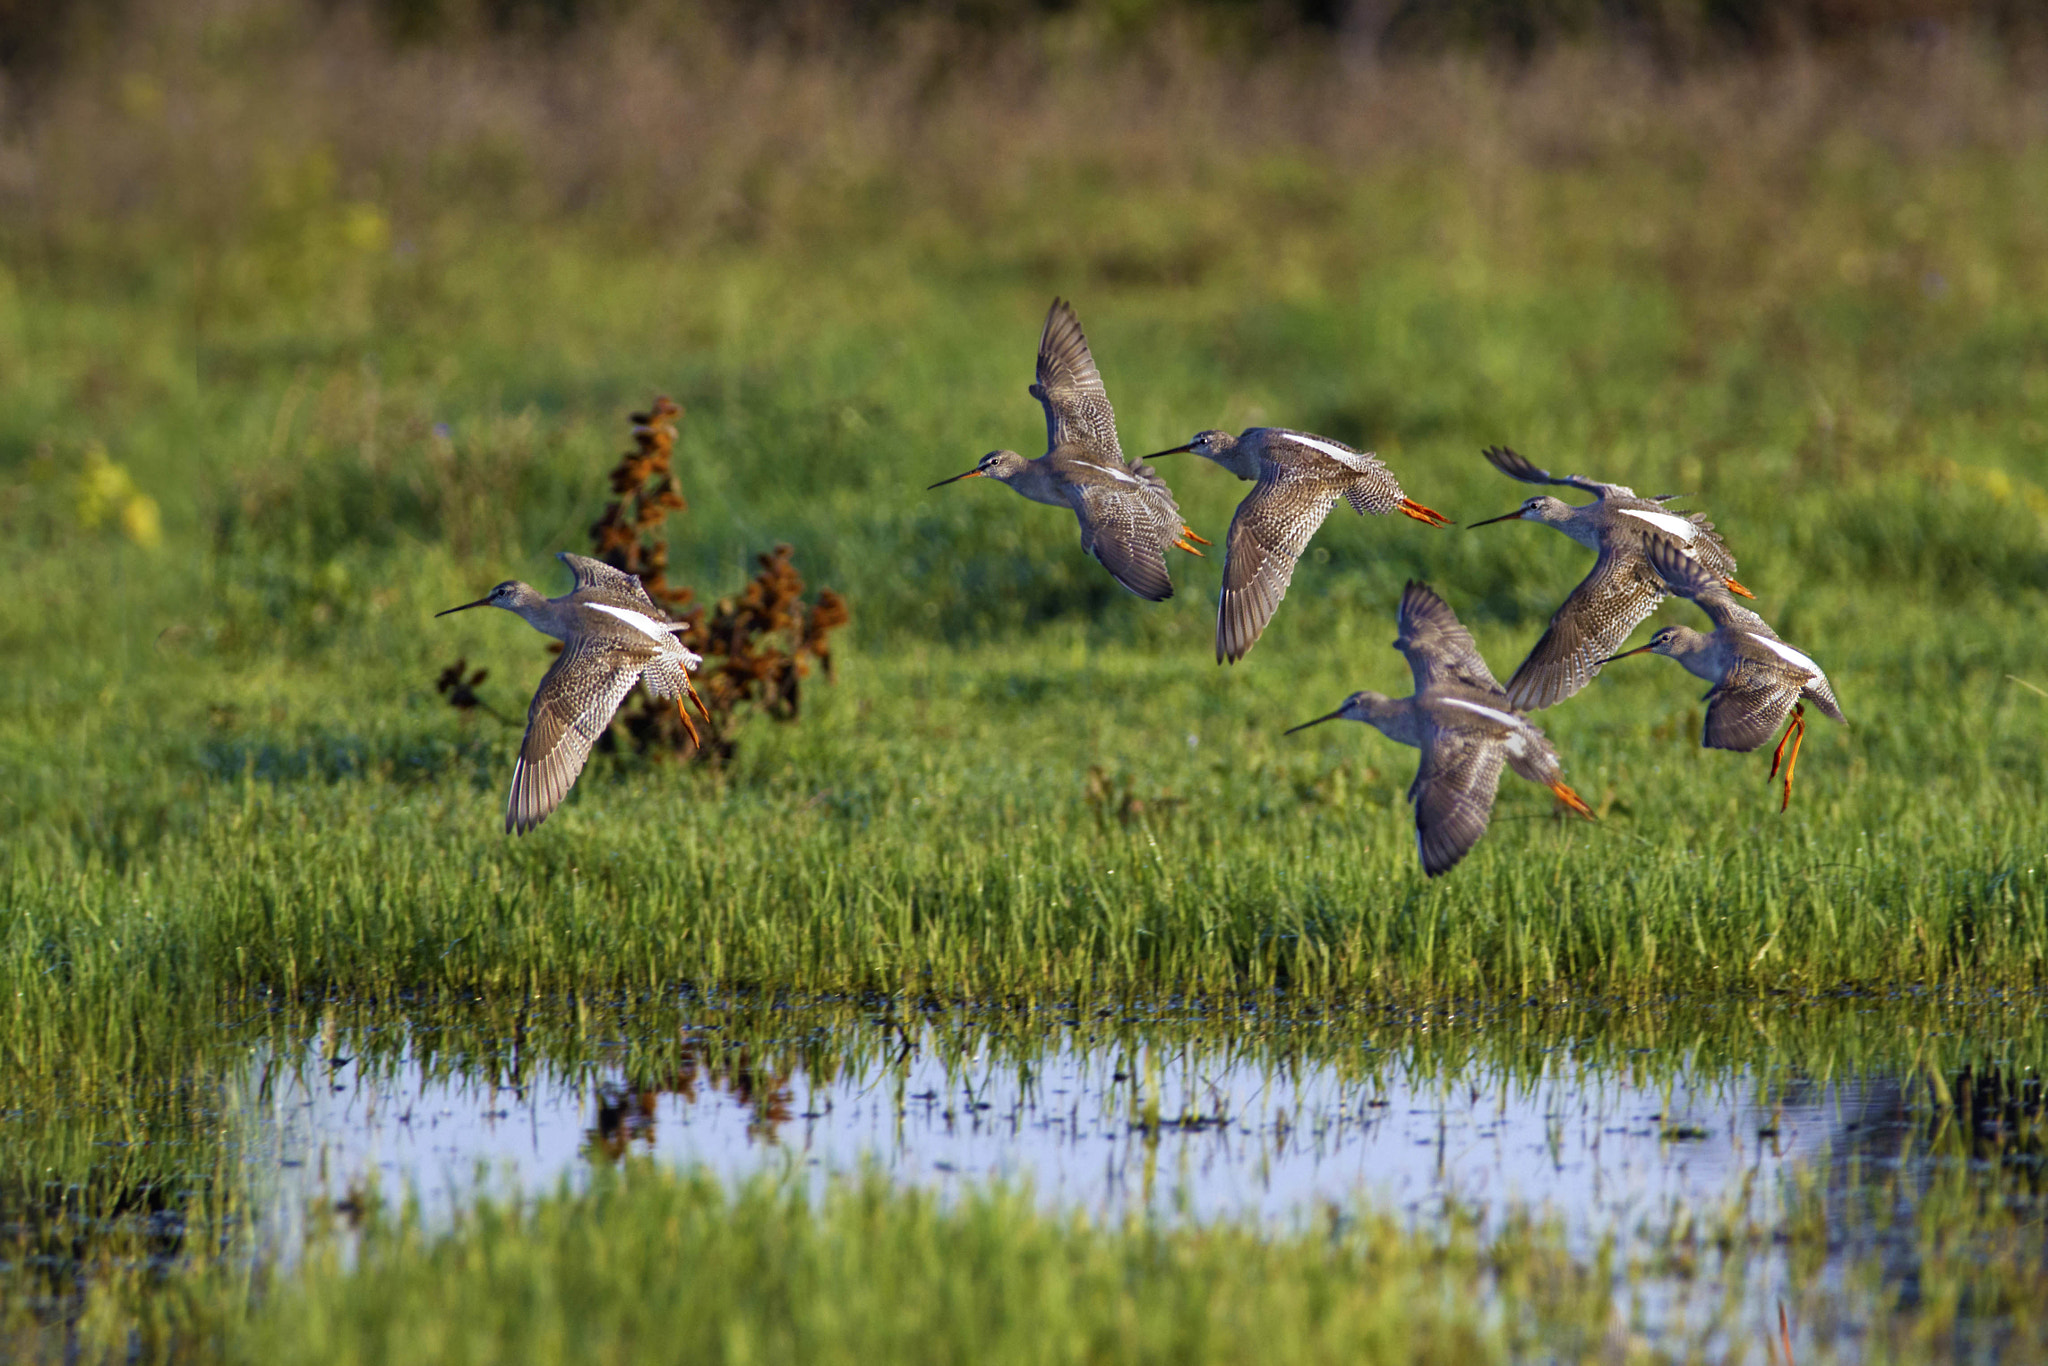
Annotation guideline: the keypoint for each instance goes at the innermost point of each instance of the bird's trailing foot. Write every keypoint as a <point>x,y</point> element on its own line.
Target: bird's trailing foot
<point>691,689</point>
<point>1795,731</point>
<point>1427,516</point>
<point>1572,800</point>
<point>1190,534</point>
<point>1735,587</point>
<point>1182,543</point>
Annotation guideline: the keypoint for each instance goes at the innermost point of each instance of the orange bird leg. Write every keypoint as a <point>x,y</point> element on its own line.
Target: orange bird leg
<point>1795,731</point>
<point>1191,550</point>
<point>1735,587</point>
<point>1573,800</point>
<point>1427,516</point>
<point>691,689</point>
<point>1189,532</point>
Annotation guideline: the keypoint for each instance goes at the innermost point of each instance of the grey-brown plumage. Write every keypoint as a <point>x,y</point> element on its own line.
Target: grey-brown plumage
<point>1297,478</point>
<point>1758,679</point>
<point>613,636</point>
<point>1465,727</point>
<point>1621,590</point>
<point>1127,514</point>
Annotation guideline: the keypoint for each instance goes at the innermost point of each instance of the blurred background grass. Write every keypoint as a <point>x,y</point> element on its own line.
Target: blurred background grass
<point>318,318</point>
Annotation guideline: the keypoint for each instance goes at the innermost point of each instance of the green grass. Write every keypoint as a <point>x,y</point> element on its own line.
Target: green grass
<point>651,1264</point>
<point>361,371</point>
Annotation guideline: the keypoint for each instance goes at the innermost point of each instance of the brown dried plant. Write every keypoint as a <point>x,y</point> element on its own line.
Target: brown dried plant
<point>757,646</point>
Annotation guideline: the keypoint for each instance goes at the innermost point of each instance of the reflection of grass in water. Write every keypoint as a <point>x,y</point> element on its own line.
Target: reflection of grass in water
<point>154,1234</point>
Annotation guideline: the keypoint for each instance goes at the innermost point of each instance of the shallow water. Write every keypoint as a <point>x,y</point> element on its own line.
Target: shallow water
<point>1683,1139</point>
<point>1619,1149</point>
<point>1162,1131</point>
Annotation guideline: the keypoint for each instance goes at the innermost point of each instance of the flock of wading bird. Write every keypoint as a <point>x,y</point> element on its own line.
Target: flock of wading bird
<point>1465,723</point>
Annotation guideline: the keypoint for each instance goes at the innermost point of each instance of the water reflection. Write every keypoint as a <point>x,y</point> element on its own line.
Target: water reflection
<point>627,1111</point>
<point>1183,1130</point>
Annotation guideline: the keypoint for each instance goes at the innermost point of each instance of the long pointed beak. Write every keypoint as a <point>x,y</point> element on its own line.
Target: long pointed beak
<point>480,602</point>
<point>1317,722</point>
<point>1171,450</point>
<point>1504,517</point>
<point>974,473</point>
<point>1623,655</point>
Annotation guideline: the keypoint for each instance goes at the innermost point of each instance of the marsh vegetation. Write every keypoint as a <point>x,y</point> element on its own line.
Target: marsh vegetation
<point>309,333</point>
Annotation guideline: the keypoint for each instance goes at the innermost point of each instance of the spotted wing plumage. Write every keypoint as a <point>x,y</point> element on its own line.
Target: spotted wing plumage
<point>595,576</point>
<point>1120,526</point>
<point>1078,416</point>
<point>1591,624</point>
<point>1438,648</point>
<point>1453,794</point>
<point>1517,466</point>
<point>571,709</point>
<point>1687,576</point>
<point>1273,525</point>
<point>1746,708</point>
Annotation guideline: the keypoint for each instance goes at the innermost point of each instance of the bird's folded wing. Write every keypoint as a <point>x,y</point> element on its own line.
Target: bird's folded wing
<point>1078,416</point>
<point>1453,794</point>
<point>596,575</point>
<point>1289,446</point>
<point>1592,624</point>
<point>1119,526</point>
<point>1746,708</point>
<point>1438,648</point>
<point>570,711</point>
<point>1272,527</point>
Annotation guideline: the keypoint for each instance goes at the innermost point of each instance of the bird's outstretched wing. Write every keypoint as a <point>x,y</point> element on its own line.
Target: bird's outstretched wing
<point>1078,417</point>
<point>1685,575</point>
<point>570,710</point>
<point>1120,527</point>
<point>1516,466</point>
<point>1746,708</point>
<point>1438,648</point>
<point>1592,624</point>
<point>1272,527</point>
<point>1453,794</point>
<point>597,576</point>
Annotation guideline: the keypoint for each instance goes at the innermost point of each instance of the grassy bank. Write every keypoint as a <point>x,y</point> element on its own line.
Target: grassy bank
<point>648,1264</point>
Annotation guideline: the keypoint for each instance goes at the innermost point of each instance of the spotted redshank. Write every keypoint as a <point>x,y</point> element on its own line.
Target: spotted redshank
<point>1297,479</point>
<point>613,636</point>
<point>1622,589</point>
<point>1757,677</point>
<point>1463,724</point>
<point>1128,516</point>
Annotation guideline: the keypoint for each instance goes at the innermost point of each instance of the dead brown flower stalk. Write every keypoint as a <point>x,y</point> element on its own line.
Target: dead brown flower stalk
<point>758,646</point>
